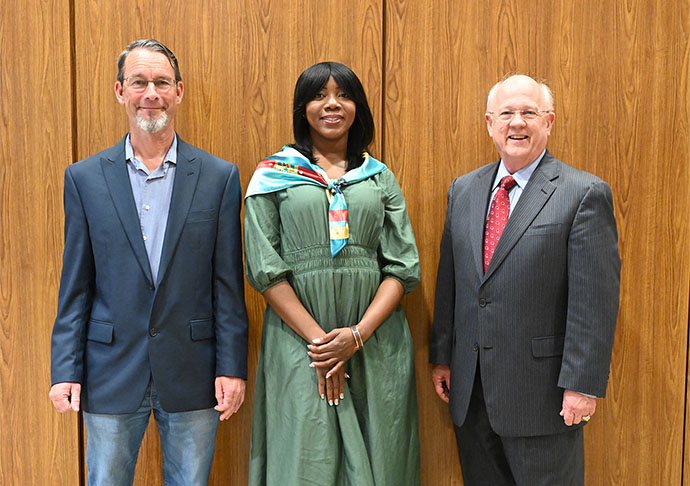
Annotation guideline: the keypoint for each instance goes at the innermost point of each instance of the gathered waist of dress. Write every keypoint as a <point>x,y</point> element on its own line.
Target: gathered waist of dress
<point>318,257</point>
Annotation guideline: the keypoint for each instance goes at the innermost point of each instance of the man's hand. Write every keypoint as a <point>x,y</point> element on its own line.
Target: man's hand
<point>440,376</point>
<point>229,395</point>
<point>575,406</point>
<point>65,396</point>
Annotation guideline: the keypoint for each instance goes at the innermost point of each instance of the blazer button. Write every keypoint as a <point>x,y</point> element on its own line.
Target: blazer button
<point>153,332</point>
<point>482,302</point>
<point>475,347</point>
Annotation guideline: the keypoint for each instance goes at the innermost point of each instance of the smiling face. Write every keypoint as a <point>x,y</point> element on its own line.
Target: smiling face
<point>519,141</point>
<point>153,108</point>
<point>330,115</point>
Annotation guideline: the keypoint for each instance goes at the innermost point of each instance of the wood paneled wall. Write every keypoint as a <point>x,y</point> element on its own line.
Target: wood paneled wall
<point>619,72</point>
<point>239,62</point>
<point>36,445</point>
<point>619,75</point>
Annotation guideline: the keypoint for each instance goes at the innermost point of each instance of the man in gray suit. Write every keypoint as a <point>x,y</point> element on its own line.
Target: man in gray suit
<point>526,301</point>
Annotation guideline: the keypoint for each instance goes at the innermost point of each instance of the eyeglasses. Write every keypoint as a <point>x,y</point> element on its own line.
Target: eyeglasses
<point>140,84</point>
<point>527,115</point>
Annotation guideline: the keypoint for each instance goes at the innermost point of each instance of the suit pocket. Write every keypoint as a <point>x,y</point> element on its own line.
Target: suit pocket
<point>100,331</point>
<point>543,229</point>
<point>202,329</point>
<point>201,215</point>
<point>547,346</point>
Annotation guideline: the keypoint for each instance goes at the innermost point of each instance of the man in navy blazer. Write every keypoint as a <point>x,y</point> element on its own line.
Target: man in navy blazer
<point>151,314</point>
<point>523,328</point>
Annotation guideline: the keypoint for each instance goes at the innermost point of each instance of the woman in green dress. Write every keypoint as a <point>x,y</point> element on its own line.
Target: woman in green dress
<point>330,247</point>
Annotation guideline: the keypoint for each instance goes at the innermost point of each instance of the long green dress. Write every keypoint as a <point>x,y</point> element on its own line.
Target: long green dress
<point>371,437</point>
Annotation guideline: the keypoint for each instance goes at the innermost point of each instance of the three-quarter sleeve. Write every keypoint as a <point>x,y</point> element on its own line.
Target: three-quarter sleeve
<point>263,263</point>
<point>398,249</point>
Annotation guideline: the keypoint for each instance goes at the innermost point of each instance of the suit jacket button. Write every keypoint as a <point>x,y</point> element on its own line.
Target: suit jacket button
<point>482,302</point>
<point>153,332</point>
<point>475,347</point>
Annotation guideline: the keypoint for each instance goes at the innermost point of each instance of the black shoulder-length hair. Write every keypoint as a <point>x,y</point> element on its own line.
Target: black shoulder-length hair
<point>311,82</point>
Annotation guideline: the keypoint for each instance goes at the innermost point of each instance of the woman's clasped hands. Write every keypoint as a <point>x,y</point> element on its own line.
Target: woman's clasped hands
<point>329,354</point>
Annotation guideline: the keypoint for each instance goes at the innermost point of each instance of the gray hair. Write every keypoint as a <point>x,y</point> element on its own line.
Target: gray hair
<point>151,45</point>
<point>545,92</point>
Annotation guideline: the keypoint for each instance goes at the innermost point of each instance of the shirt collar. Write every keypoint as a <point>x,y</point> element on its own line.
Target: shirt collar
<point>171,156</point>
<point>521,176</point>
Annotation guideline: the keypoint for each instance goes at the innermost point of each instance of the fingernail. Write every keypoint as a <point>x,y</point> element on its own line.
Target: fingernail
<point>336,401</point>
<point>328,375</point>
<point>330,402</point>
<point>342,395</point>
<point>312,365</point>
<point>316,341</point>
<point>347,376</point>
<point>323,396</point>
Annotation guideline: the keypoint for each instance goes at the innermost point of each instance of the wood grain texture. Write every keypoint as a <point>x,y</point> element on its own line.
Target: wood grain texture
<point>619,71</point>
<point>37,445</point>
<point>240,61</point>
<point>619,75</point>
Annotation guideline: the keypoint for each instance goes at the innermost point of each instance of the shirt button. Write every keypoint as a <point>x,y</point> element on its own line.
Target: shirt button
<point>153,332</point>
<point>475,347</point>
<point>144,237</point>
<point>147,207</point>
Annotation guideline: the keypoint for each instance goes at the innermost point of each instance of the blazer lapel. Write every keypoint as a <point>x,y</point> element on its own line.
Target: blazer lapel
<point>535,195</point>
<point>116,177</point>
<point>481,193</point>
<point>186,178</point>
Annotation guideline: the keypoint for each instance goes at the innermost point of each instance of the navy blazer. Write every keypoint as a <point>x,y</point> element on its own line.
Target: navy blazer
<point>542,317</point>
<point>115,327</point>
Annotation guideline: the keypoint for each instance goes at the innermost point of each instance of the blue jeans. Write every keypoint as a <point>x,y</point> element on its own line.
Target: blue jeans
<point>187,441</point>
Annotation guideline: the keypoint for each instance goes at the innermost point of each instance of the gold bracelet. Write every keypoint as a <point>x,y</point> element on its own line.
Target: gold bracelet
<point>359,344</point>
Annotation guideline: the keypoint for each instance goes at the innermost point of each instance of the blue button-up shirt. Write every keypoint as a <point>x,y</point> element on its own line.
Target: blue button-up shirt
<point>152,193</point>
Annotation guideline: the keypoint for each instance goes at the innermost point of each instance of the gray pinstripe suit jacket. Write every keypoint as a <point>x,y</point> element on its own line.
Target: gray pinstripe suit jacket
<point>542,317</point>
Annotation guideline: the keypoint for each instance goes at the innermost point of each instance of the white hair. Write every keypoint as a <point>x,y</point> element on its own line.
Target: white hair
<point>546,93</point>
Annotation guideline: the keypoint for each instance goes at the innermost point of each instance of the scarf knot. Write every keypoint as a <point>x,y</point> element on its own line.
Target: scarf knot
<point>335,186</point>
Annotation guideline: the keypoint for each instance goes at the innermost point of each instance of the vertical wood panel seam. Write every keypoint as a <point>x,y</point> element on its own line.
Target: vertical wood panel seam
<point>73,77</point>
<point>382,130</point>
<point>75,157</point>
<point>683,447</point>
<point>82,452</point>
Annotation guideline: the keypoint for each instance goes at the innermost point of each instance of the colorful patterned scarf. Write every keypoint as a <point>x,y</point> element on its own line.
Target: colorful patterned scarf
<point>289,168</point>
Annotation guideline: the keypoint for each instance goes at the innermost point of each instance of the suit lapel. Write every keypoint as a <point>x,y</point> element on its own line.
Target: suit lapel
<point>481,192</point>
<point>186,178</point>
<point>533,198</point>
<point>116,177</point>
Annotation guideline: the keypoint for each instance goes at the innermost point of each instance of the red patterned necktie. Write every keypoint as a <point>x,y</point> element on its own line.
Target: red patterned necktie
<point>498,217</point>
